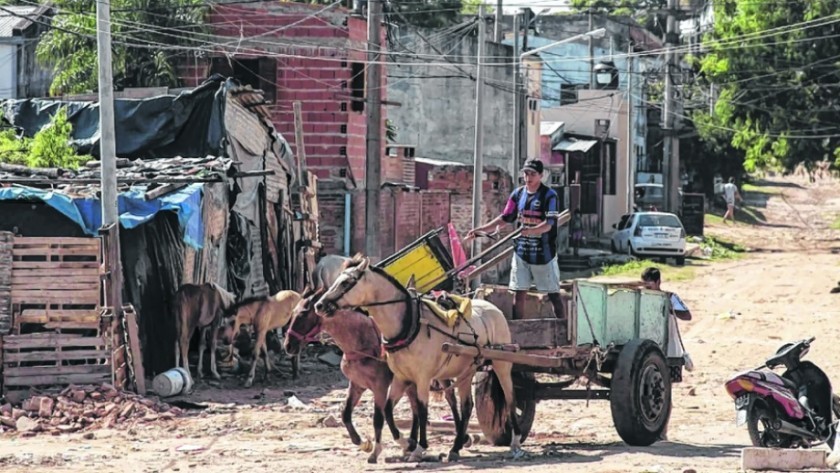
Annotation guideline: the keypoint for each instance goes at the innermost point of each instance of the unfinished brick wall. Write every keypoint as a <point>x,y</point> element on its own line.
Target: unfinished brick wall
<point>311,58</point>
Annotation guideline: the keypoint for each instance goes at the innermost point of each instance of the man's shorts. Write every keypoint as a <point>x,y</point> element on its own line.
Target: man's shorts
<point>546,277</point>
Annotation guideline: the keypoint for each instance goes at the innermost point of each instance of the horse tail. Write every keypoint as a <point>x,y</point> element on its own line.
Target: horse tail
<point>497,395</point>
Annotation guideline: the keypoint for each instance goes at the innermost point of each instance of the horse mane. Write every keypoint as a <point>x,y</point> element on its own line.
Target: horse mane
<point>312,291</point>
<point>354,261</point>
<point>247,301</point>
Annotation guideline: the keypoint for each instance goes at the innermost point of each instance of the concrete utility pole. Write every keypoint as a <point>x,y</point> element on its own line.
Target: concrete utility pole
<point>591,56</point>
<point>631,165</point>
<point>107,136</point>
<point>671,151</point>
<point>517,103</point>
<point>478,158</point>
<point>497,32</point>
<point>373,139</point>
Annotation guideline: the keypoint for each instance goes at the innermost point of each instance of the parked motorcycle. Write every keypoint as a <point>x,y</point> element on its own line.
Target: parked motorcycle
<point>796,409</point>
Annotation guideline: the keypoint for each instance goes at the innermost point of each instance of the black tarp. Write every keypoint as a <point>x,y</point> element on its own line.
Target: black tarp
<point>188,124</point>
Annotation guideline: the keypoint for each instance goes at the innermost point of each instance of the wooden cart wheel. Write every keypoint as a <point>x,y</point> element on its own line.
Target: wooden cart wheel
<point>492,427</point>
<point>640,397</point>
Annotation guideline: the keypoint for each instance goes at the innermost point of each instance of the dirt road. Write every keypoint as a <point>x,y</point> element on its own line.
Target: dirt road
<point>743,311</point>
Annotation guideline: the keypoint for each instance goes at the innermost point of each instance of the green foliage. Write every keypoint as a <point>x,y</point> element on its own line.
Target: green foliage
<point>428,13</point>
<point>138,28</point>
<point>470,7</point>
<point>390,130</point>
<point>49,148</point>
<point>717,249</point>
<point>617,7</point>
<point>778,104</point>
<point>633,270</point>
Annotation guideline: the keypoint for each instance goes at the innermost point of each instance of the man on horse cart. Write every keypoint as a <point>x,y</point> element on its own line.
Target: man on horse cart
<point>535,259</point>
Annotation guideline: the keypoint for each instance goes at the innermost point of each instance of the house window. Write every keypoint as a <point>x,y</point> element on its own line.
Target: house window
<point>343,106</point>
<point>343,129</point>
<point>259,73</point>
<point>342,172</point>
<point>342,151</point>
<point>357,85</point>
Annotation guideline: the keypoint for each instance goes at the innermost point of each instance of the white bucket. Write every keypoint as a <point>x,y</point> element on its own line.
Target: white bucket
<point>172,382</point>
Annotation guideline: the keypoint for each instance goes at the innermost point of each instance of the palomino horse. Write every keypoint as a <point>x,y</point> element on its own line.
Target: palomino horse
<point>414,339</point>
<point>363,363</point>
<point>264,313</point>
<point>199,306</point>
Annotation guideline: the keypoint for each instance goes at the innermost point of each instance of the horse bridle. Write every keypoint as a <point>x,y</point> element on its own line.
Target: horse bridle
<point>308,337</point>
<point>409,331</point>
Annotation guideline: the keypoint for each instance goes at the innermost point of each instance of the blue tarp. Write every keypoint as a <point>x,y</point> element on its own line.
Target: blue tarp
<point>133,208</point>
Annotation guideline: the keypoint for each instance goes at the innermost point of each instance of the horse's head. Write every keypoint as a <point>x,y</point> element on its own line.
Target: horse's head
<point>305,323</point>
<point>241,311</point>
<point>348,289</point>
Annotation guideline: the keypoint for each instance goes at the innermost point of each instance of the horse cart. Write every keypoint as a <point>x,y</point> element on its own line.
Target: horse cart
<point>616,348</point>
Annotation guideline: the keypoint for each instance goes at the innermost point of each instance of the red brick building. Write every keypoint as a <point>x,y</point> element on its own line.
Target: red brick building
<point>315,55</point>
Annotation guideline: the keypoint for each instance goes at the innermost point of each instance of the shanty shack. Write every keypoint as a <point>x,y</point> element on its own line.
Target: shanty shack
<point>208,192</point>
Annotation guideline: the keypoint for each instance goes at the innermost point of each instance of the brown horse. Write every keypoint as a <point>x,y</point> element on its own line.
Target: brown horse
<point>264,313</point>
<point>199,306</point>
<point>363,364</point>
<point>414,341</point>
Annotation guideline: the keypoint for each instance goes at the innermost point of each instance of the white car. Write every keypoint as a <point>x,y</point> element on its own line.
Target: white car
<point>650,234</point>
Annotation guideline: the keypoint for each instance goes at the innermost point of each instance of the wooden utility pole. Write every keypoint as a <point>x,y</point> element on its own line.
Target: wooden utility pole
<point>478,158</point>
<point>374,130</point>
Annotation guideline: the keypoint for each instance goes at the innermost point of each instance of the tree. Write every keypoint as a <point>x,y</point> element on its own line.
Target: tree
<point>775,66</point>
<point>427,13</point>
<point>470,7</point>
<point>138,29</point>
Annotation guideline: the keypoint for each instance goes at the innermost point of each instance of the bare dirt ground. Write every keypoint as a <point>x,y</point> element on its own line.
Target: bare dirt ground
<point>743,310</point>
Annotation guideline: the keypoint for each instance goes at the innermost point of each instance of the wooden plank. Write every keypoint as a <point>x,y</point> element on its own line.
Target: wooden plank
<point>38,284</point>
<point>57,241</point>
<point>52,356</point>
<point>59,314</point>
<point>136,350</point>
<point>54,341</point>
<point>29,296</point>
<point>536,333</point>
<point>94,378</point>
<point>50,273</point>
<point>54,265</point>
<point>71,325</point>
<point>56,370</point>
<point>65,251</point>
<point>513,357</point>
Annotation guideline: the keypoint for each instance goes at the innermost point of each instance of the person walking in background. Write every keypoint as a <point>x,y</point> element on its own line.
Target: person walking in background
<point>730,193</point>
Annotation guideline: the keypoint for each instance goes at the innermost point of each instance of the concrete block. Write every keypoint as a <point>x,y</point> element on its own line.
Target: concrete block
<point>761,459</point>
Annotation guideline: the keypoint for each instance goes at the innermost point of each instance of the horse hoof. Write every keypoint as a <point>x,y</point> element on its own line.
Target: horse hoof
<point>468,442</point>
<point>417,455</point>
<point>372,459</point>
<point>366,446</point>
<point>453,457</point>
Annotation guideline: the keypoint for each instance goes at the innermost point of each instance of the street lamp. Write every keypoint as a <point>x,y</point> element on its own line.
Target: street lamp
<point>519,111</point>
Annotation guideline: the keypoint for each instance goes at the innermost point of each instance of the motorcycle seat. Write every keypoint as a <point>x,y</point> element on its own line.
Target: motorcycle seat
<point>789,384</point>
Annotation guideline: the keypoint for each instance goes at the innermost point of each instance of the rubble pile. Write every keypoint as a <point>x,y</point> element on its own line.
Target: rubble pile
<point>79,408</point>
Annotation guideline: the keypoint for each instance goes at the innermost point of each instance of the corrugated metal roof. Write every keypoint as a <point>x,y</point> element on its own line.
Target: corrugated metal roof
<point>549,128</point>
<point>575,145</point>
<point>9,21</point>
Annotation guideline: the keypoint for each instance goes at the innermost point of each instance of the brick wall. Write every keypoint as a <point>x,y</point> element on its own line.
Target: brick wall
<point>313,62</point>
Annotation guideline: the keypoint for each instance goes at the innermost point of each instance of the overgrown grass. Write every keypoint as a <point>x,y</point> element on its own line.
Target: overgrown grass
<point>715,248</point>
<point>835,225</point>
<point>633,270</point>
